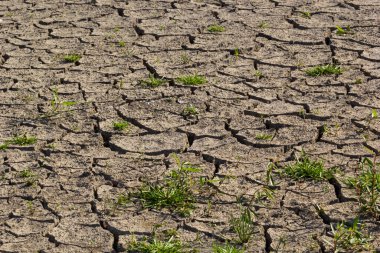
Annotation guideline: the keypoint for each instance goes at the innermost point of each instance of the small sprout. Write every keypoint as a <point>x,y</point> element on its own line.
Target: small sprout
<point>358,81</point>
<point>185,58</point>
<point>23,140</point>
<point>121,125</point>
<point>374,114</point>
<point>243,226</point>
<point>192,80</point>
<point>306,14</point>
<point>190,110</point>
<point>258,74</point>
<point>215,28</point>
<point>227,248</point>
<point>306,169</point>
<point>73,58</point>
<point>153,82</point>
<point>155,246</point>
<point>122,44</point>
<point>350,238</point>
<point>116,29</point>
<point>122,200</point>
<point>329,69</point>
<point>4,146</point>
<point>263,25</point>
<point>27,173</point>
<point>236,52</point>
<point>263,136</point>
<point>343,31</point>
<point>162,28</point>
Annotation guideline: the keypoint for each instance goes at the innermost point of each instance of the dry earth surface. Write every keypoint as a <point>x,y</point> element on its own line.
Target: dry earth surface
<point>64,192</point>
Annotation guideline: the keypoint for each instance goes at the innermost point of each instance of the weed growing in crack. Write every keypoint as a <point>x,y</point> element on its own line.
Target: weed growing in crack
<point>122,44</point>
<point>258,74</point>
<point>176,192</point>
<point>192,80</point>
<point>306,14</point>
<point>343,30</point>
<point>263,137</point>
<point>155,246</point>
<point>358,81</point>
<point>350,238</point>
<point>190,111</point>
<point>31,178</point>
<point>153,82</point>
<point>263,25</point>
<point>57,105</point>
<point>73,58</point>
<point>185,58</point>
<point>227,248</point>
<point>4,146</point>
<point>121,125</point>
<point>328,69</point>
<point>215,28</point>
<point>23,140</point>
<point>306,169</point>
<point>367,185</point>
<point>243,225</point>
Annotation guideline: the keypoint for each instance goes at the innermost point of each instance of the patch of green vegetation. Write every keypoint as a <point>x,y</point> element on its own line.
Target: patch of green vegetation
<point>367,185</point>
<point>156,246</point>
<point>306,14</point>
<point>23,140</point>
<point>350,238</point>
<point>306,169</point>
<point>122,44</point>
<point>263,136</point>
<point>244,226</point>
<point>72,58</point>
<point>4,146</point>
<point>176,192</point>
<point>153,82</point>
<point>31,178</point>
<point>263,25</point>
<point>185,58</point>
<point>192,80</point>
<point>258,74</point>
<point>343,30</point>
<point>328,69</point>
<point>189,111</point>
<point>358,81</point>
<point>121,125</point>
<point>215,28</point>
<point>227,248</point>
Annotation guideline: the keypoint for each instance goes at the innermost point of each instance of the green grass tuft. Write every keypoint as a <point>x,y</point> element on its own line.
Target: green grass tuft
<point>306,169</point>
<point>121,125</point>
<point>153,82</point>
<point>329,69</point>
<point>263,137</point>
<point>192,80</point>
<point>215,28</point>
<point>23,140</point>
<point>155,246</point>
<point>227,248</point>
<point>72,58</point>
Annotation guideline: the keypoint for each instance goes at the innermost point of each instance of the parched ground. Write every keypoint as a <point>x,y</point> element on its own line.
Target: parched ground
<point>62,193</point>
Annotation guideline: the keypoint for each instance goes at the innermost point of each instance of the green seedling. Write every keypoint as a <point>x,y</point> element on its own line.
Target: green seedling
<point>263,137</point>
<point>350,238</point>
<point>367,185</point>
<point>73,58</point>
<point>189,111</point>
<point>374,114</point>
<point>215,28</point>
<point>176,192</point>
<point>244,226</point>
<point>306,14</point>
<point>30,177</point>
<point>121,125</point>
<point>343,31</point>
<point>23,140</point>
<point>156,246</point>
<point>57,105</point>
<point>185,58</point>
<point>306,169</point>
<point>258,74</point>
<point>4,146</point>
<point>358,81</point>
<point>236,53</point>
<point>227,248</point>
<point>153,82</point>
<point>263,25</point>
<point>329,69</point>
<point>192,80</point>
<point>122,44</point>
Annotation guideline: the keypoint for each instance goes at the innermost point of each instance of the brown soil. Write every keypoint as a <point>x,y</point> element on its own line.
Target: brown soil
<point>81,164</point>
